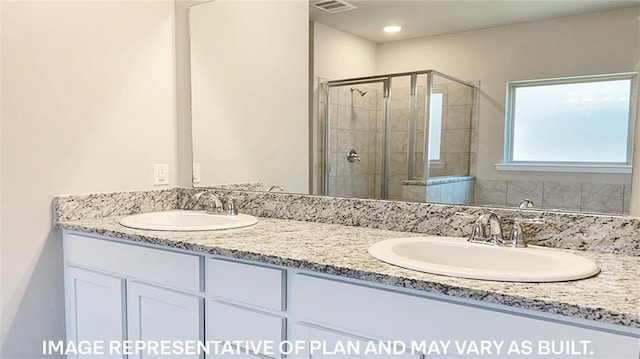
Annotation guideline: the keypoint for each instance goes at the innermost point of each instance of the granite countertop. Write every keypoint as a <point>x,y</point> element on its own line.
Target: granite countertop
<point>610,297</point>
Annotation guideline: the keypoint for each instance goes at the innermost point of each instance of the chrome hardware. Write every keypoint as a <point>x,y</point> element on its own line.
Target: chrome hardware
<point>215,206</point>
<point>278,188</point>
<point>353,156</point>
<point>526,203</point>
<point>231,207</point>
<point>517,238</point>
<point>493,235</point>
<point>488,229</point>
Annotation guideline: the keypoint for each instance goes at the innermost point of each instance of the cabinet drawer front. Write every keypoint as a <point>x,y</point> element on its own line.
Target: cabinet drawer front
<point>254,328</point>
<point>381,313</point>
<point>247,284</point>
<point>326,342</point>
<point>177,270</point>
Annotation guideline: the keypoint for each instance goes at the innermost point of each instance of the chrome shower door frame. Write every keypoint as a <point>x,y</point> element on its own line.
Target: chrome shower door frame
<point>386,88</point>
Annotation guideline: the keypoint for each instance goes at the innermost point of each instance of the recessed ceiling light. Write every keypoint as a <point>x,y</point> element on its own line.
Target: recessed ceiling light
<point>392,28</point>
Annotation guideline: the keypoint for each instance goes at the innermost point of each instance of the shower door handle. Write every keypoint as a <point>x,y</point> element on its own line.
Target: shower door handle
<point>353,156</point>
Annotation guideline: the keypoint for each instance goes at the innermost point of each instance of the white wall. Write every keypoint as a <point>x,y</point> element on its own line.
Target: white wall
<point>340,55</point>
<point>596,43</point>
<point>88,104</point>
<point>249,65</point>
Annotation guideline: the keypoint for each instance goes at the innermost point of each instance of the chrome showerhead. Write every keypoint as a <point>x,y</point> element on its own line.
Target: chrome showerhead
<point>360,92</point>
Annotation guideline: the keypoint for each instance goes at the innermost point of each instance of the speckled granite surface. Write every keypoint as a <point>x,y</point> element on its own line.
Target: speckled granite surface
<point>439,180</point>
<point>601,233</point>
<point>610,297</point>
<point>70,207</point>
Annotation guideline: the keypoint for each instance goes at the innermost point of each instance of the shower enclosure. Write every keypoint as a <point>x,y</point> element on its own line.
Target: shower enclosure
<point>399,136</point>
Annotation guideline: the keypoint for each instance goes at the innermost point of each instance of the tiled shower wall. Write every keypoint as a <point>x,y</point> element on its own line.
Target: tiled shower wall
<point>457,136</point>
<point>354,125</point>
<point>585,197</point>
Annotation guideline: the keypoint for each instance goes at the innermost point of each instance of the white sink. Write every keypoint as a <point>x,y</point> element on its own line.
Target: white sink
<point>186,221</point>
<point>454,256</point>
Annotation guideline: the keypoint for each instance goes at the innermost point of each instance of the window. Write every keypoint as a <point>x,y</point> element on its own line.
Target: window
<point>571,124</point>
<point>435,125</point>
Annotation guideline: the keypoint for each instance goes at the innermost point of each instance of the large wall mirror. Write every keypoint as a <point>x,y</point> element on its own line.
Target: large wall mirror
<point>287,96</point>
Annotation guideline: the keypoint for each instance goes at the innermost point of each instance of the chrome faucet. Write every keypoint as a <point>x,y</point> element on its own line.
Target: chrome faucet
<point>517,238</point>
<point>487,229</point>
<point>215,206</point>
<point>526,203</point>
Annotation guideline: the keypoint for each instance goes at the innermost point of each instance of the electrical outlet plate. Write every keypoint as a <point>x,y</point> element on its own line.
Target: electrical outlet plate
<point>160,174</point>
<point>196,173</point>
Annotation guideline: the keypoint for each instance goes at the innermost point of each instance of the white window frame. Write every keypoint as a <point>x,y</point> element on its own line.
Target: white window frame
<point>593,167</point>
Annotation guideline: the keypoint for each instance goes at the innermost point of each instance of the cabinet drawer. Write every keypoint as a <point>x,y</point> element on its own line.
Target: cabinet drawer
<point>177,270</point>
<point>381,313</point>
<point>234,323</point>
<point>329,342</point>
<point>247,283</point>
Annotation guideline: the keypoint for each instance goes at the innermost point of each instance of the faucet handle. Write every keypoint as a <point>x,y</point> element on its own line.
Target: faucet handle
<point>517,238</point>
<point>231,207</point>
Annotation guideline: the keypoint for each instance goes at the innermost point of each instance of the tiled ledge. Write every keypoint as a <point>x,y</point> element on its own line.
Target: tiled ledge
<point>601,233</point>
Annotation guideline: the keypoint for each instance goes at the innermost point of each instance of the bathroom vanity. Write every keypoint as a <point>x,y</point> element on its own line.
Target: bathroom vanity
<point>284,281</point>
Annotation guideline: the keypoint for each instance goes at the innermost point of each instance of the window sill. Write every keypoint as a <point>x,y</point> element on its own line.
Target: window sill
<point>614,169</point>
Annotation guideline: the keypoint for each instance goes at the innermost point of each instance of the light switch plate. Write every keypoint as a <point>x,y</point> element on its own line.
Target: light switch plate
<point>160,174</point>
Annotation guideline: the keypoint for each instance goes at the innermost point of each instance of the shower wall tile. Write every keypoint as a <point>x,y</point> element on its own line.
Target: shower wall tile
<point>399,164</point>
<point>360,119</point>
<point>458,116</point>
<point>413,193</point>
<point>379,125</point>
<point>333,141</point>
<point>473,163</point>
<point>456,163</point>
<point>491,192</point>
<point>333,96</point>
<point>395,185</point>
<point>561,195</point>
<point>400,120</point>
<point>373,120</point>
<point>458,95</point>
<point>344,96</point>
<point>457,141</point>
<point>371,142</point>
<point>399,98</point>
<point>600,197</point>
<point>518,190</point>
<point>342,121</point>
<point>422,97</point>
<point>420,119</point>
<point>399,142</point>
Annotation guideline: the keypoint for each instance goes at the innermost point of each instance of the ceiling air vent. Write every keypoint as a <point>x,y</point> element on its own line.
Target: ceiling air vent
<point>333,6</point>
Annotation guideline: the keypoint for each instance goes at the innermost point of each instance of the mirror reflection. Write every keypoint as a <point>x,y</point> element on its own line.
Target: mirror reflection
<point>423,118</point>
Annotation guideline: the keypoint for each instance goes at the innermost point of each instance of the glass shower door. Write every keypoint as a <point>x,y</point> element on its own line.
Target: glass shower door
<point>354,157</point>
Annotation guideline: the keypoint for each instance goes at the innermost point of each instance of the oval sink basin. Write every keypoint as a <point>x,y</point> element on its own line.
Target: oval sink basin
<point>186,221</point>
<point>454,256</point>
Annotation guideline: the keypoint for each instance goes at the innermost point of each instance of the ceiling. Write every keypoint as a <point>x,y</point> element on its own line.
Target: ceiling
<point>420,18</point>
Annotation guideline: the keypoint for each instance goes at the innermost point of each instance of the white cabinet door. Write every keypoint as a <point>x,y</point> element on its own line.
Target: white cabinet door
<point>157,315</point>
<point>95,308</point>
